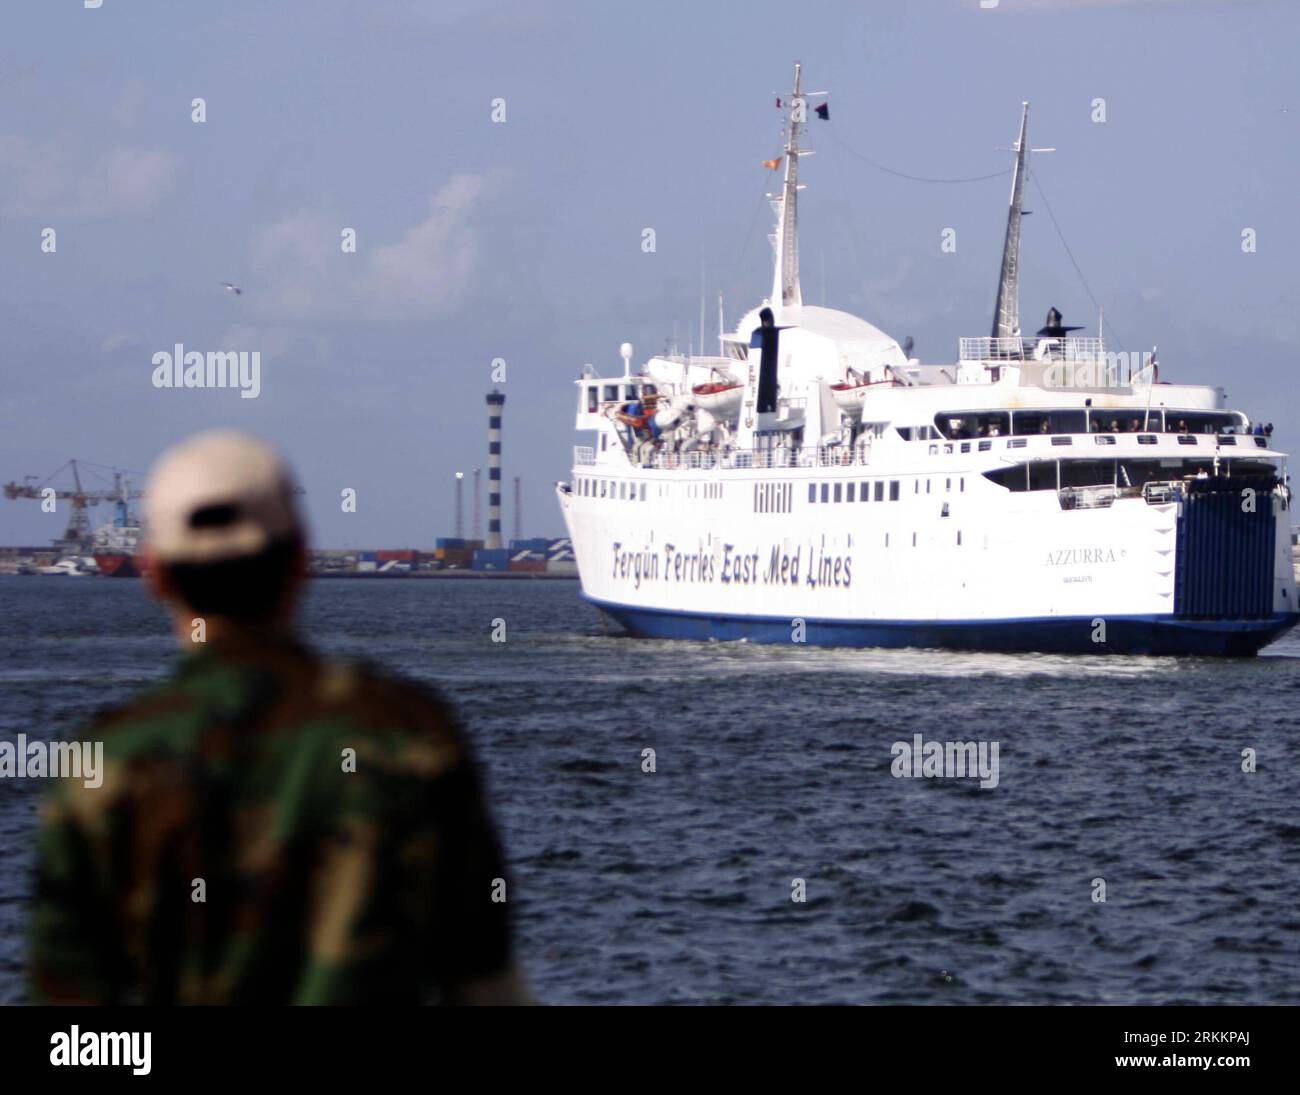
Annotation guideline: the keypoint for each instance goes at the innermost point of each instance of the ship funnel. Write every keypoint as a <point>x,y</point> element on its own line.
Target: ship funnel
<point>767,340</point>
<point>1053,327</point>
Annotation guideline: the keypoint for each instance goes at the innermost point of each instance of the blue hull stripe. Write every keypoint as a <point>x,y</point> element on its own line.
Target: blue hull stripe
<point>1151,634</point>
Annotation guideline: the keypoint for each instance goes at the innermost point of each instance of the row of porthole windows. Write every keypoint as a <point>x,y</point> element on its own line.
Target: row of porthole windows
<point>868,491</point>
<point>620,489</point>
<point>853,492</point>
<point>914,539</point>
<point>947,485</point>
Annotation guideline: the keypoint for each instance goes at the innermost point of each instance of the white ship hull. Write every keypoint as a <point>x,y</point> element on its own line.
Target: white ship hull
<point>1004,571</point>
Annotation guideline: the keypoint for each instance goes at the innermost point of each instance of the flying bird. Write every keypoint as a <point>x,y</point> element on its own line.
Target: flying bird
<point>231,287</point>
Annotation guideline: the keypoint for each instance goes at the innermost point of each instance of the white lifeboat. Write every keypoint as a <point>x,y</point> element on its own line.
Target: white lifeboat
<point>721,398</point>
<point>849,394</point>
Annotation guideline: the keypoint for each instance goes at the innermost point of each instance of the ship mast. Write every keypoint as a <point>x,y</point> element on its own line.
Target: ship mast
<point>785,242</point>
<point>1006,314</point>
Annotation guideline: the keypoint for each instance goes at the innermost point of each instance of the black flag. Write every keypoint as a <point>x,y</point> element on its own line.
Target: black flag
<point>823,111</point>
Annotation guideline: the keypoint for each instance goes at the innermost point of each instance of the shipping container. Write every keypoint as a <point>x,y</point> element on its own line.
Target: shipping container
<point>528,565</point>
<point>402,555</point>
<point>450,542</point>
<point>491,559</point>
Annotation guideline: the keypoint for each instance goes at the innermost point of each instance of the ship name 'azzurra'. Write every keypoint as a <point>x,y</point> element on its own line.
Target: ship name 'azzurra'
<point>815,482</point>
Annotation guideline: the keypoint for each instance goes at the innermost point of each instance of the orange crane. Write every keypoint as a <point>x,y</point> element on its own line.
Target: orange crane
<point>77,534</point>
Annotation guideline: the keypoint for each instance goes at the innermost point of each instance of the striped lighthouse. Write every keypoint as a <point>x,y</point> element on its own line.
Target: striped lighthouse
<point>496,401</point>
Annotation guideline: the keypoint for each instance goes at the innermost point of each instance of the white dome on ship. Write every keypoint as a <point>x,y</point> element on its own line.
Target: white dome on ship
<point>858,342</point>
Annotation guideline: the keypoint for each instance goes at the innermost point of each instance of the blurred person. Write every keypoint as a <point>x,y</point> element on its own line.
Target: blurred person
<point>272,826</point>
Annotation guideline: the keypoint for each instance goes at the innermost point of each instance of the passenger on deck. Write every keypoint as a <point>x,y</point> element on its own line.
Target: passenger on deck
<point>1135,425</point>
<point>1114,425</point>
<point>1182,425</point>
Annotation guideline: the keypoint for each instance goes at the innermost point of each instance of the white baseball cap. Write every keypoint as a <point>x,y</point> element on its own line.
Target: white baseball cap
<point>219,495</point>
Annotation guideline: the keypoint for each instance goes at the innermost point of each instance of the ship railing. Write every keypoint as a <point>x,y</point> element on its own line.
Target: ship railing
<point>1159,493</point>
<point>1100,497</point>
<point>584,455</point>
<point>1082,349</point>
<point>823,456</point>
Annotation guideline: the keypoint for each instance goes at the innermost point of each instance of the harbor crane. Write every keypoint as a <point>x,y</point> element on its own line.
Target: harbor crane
<point>77,534</point>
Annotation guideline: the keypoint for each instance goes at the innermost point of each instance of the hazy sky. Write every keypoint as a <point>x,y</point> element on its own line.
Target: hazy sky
<point>522,240</point>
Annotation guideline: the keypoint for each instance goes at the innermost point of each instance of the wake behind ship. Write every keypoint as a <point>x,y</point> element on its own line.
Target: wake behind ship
<point>813,483</point>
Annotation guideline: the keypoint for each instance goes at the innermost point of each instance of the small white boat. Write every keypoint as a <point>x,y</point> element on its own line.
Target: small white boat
<point>67,567</point>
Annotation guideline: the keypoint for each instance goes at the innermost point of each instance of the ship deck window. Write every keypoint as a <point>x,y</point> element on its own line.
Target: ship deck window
<point>1123,474</point>
<point>864,492</point>
<point>955,425</point>
<point>593,402</point>
<point>848,492</point>
<point>611,393</point>
<point>880,491</point>
<point>1116,420</point>
<point>1202,422</point>
<point>1186,439</point>
<point>893,490</point>
<point>838,491</point>
<point>826,491</point>
<point>812,492</point>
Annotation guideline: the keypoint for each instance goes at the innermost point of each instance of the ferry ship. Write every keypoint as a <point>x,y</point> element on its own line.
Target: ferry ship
<point>815,483</point>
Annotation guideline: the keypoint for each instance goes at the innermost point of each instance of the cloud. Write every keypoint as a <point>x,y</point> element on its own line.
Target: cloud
<point>47,180</point>
<point>300,271</point>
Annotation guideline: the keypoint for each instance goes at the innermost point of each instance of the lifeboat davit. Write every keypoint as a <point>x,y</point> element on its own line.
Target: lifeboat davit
<point>719,398</point>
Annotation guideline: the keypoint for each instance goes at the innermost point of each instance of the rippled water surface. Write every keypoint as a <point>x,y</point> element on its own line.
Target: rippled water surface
<point>773,764</point>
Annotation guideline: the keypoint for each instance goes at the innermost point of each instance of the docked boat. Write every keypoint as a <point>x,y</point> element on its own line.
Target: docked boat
<point>1039,493</point>
<point>69,566</point>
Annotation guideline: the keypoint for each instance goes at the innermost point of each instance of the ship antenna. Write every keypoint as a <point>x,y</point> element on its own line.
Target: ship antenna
<point>785,278</point>
<point>1006,313</point>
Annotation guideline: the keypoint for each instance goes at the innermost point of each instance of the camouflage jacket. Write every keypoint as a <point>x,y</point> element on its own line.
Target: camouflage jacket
<point>272,827</point>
